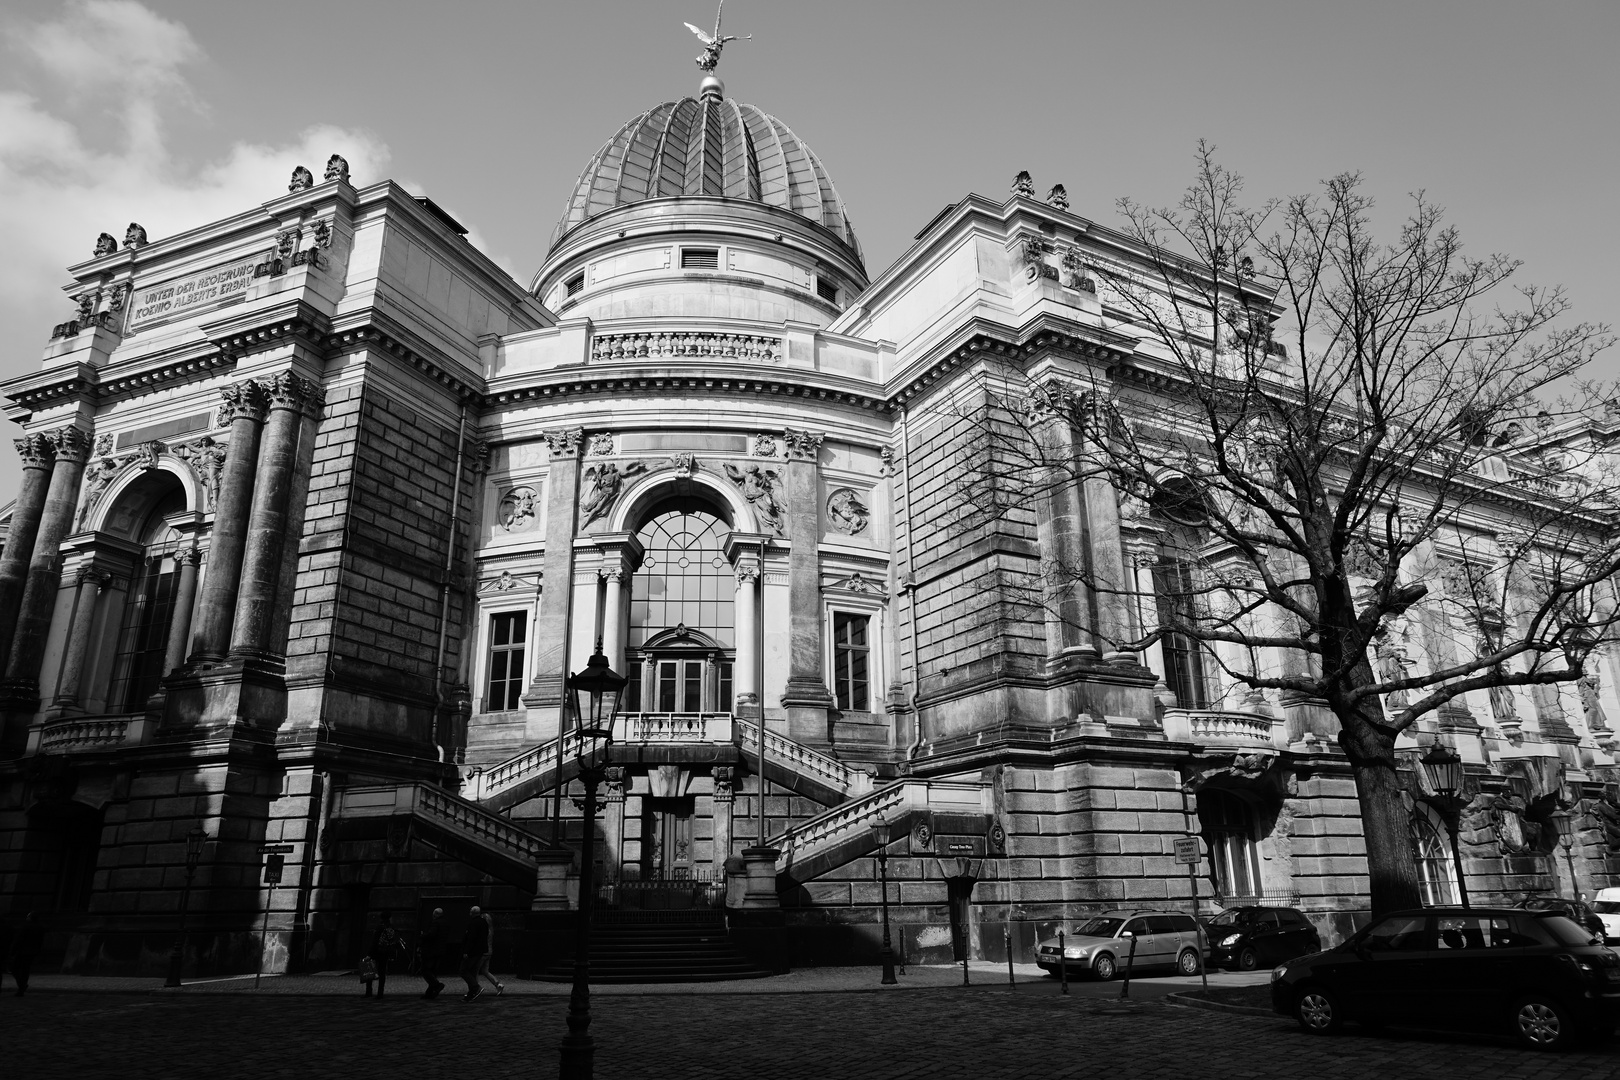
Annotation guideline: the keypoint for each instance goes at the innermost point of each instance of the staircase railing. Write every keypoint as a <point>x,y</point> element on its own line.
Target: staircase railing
<point>853,818</point>
<point>454,814</point>
<point>829,770</point>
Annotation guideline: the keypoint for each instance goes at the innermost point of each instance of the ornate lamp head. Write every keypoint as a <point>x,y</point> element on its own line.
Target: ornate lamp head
<point>1444,770</point>
<point>594,697</point>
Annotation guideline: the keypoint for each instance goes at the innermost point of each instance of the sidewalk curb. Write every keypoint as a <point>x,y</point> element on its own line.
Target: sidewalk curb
<point>1187,1000</point>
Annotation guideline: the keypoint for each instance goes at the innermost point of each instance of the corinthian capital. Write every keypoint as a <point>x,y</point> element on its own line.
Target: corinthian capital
<point>803,445</point>
<point>284,390</point>
<point>36,451</point>
<point>69,444</point>
<point>243,399</point>
<point>565,443</point>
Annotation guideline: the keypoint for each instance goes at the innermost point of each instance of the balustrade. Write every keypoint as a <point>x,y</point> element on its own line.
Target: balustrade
<point>1220,727</point>
<point>609,347</point>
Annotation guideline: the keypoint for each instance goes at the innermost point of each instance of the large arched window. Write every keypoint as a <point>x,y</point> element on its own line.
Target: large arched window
<point>1180,511</point>
<point>1228,825</point>
<point>144,637</point>
<point>1436,874</point>
<point>682,634</point>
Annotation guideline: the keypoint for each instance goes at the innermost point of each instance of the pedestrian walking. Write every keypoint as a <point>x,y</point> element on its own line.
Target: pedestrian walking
<point>489,951</point>
<point>24,948</point>
<point>475,952</point>
<point>384,951</point>
<point>431,951</point>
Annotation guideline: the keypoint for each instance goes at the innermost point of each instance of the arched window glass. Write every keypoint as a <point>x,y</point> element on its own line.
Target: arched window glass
<point>684,578</point>
<point>144,639</point>
<point>1436,874</point>
<point>1228,825</point>
<point>1180,510</point>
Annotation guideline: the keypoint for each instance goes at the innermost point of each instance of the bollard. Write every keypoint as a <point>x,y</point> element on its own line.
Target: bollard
<point>964,967</point>
<point>1007,933</point>
<point>1063,963</point>
<point>1130,962</point>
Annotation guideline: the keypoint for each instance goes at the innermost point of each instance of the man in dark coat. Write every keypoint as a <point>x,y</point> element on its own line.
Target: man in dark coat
<point>473,948</point>
<point>432,950</point>
<point>384,945</point>
<point>25,948</point>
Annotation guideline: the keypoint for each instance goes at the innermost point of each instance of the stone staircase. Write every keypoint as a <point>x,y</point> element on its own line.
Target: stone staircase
<point>455,825</point>
<point>658,947</point>
<point>843,833</point>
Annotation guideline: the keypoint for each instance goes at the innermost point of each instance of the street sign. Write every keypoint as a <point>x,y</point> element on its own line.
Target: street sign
<point>272,869</point>
<point>1187,850</point>
<point>275,849</point>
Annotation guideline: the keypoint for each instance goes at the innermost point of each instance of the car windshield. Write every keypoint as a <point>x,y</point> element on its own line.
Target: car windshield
<point>1565,930</point>
<point>1099,927</point>
<point>1231,918</point>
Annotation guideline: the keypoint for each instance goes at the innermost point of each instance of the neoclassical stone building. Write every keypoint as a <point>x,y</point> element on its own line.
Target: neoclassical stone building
<point>319,508</point>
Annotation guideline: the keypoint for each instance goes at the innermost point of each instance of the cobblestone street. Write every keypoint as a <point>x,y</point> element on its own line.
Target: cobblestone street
<point>979,1032</point>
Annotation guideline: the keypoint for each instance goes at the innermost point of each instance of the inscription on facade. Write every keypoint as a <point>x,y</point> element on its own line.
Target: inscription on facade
<point>210,288</point>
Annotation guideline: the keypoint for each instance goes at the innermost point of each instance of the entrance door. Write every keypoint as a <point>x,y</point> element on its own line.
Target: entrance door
<point>669,824</point>
<point>959,894</point>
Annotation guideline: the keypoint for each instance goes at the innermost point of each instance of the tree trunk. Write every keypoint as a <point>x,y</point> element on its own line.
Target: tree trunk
<point>1391,867</point>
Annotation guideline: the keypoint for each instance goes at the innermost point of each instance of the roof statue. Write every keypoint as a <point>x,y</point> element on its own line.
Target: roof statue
<point>712,44</point>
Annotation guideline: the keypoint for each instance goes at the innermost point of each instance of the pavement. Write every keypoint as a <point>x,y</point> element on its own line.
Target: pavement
<point>798,1027</point>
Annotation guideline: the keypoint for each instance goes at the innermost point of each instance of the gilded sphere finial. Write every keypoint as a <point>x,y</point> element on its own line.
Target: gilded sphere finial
<point>712,87</point>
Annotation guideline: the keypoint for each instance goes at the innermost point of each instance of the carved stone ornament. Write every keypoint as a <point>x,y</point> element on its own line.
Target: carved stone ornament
<point>134,236</point>
<point>602,484</point>
<point>87,307</point>
<point>118,296</point>
<point>69,443</point>
<point>337,169</point>
<point>888,461</point>
<point>684,465</point>
<point>1589,687</point>
<point>856,583</point>
<point>601,445</point>
<point>106,244</point>
<point>1607,812</point>
<point>763,446</point>
<point>760,487</point>
<point>846,513</point>
<point>98,476</point>
<point>802,445</point>
<point>145,455</point>
<point>104,446</point>
<point>1035,251</point>
<point>206,460</point>
<point>565,443</point>
<point>246,398</point>
<point>506,582</point>
<point>1058,197</point>
<point>284,390</point>
<point>747,574</point>
<point>519,509</point>
<point>285,241</point>
<point>35,451</point>
<point>1023,186</point>
<point>724,777</point>
<point>320,234</point>
<point>302,180</point>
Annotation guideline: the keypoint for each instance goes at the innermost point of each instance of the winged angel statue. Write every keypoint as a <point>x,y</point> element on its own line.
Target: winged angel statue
<point>712,44</point>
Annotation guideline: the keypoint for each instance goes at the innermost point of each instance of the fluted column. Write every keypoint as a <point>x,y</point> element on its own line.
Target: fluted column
<point>245,404</point>
<point>185,597</point>
<point>90,583</point>
<point>289,396</point>
<point>38,458</point>
<point>71,447</point>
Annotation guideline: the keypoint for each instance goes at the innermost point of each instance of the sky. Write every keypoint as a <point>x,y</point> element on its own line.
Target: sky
<point>174,113</point>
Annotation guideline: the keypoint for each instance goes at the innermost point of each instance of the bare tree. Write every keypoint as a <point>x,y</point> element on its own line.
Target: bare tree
<point>1393,486</point>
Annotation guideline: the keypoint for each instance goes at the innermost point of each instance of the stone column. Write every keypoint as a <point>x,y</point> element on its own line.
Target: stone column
<point>245,404</point>
<point>723,797</point>
<point>745,668</point>
<point>185,597</point>
<point>90,582</point>
<point>37,460</point>
<point>550,638</point>
<point>71,447</point>
<point>1060,528</point>
<point>621,554</point>
<point>289,396</point>
<point>805,697</point>
<point>1110,584</point>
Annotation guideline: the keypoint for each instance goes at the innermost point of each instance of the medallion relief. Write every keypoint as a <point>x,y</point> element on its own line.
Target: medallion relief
<point>519,509</point>
<point>846,513</point>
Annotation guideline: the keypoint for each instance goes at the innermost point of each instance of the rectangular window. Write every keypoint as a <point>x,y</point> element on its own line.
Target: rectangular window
<point>692,686</point>
<point>138,667</point>
<point>666,685</point>
<point>724,704</point>
<point>1183,662</point>
<point>850,661</point>
<point>506,646</point>
<point>632,690</point>
<point>827,290</point>
<point>700,258</point>
<point>574,284</point>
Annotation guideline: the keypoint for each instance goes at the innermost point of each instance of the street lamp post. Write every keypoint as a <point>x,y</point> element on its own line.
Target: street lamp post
<point>1445,772</point>
<point>593,694</point>
<point>1564,823</point>
<point>880,832</point>
<point>195,840</point>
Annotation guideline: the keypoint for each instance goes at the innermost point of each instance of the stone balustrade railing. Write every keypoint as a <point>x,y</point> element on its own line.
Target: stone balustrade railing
<point>654,345</point>
<point>456,815</point>
<point>886,803</point>
<point>674,727</point>
<point>80,734</point>
<point>805,760</point>
<point>1221,727</point>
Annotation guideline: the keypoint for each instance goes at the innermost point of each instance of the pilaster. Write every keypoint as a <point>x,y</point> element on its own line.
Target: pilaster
<point>550,639</point>
<point>806,697</point>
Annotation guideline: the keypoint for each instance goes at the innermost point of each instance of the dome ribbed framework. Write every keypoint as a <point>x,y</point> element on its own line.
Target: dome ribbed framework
<point>711,147</point>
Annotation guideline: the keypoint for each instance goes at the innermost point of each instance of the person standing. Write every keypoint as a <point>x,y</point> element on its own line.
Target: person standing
<point>384,948</point>
<point>489,951</point>
<point>24,949</point>
<point>431,948</point>
<point>475,952</point>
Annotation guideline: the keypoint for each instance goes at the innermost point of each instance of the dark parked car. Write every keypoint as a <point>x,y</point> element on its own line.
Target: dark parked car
<point>1534,974</point>
<point>1244,938</point>
<point>1575,910</point>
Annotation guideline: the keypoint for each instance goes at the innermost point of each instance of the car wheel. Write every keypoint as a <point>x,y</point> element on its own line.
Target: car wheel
<point>1318,1011</point>
<point>1103,968</point>
<point>1187,962</point>
<point>1248,960</point>
<point>1542,1023</point>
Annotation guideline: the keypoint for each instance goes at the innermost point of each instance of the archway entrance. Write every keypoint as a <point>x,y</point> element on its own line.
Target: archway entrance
<point>682,638</point>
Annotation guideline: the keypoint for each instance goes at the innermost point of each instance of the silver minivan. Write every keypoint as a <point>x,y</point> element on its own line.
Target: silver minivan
<point>1101,945</point>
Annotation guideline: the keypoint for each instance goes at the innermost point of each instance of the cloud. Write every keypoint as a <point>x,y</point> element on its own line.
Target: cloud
<point>66,175</point>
